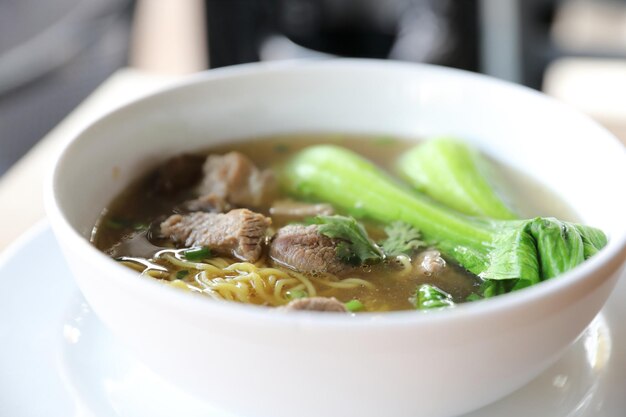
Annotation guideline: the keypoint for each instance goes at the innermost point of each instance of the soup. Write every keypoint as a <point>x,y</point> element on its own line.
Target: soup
<point>217,224</point>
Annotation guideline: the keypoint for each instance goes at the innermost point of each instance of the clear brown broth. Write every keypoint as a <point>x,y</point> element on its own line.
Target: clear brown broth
<point>393,290</point>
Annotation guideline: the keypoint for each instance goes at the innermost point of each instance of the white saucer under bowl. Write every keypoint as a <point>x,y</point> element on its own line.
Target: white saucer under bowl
<point>58,360</point>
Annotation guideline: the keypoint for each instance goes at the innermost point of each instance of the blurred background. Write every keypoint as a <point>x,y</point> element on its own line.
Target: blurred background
<point>54,53</point>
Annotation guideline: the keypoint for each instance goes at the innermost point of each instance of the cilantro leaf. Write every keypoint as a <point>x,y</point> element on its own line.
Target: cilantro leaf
<point>402,238</point>
<point>355,247</point>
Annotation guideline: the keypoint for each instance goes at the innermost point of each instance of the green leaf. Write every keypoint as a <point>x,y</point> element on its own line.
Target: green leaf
<point>453,173</point>
<point>559,244</point>
<point>473,297</point>
<point>117,223</point>
<point>355,247</point>
<point>428,297</point>
<point>354,306</point>
<point>196,254</point>
<point>593,239</point>
<point>402,238</point>
<point>182,274</point>
<point>295,294</point>
<point>512,253</point>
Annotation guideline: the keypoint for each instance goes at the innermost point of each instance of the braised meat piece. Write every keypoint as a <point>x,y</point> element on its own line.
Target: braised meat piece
<point>317,304</point>
<point>239,232</point>
<point>235,179</point>
<point>289,210</point>
<point>306,250</point>
<point>178,173</point>
<point>430,262</point>
<point>210,203</point>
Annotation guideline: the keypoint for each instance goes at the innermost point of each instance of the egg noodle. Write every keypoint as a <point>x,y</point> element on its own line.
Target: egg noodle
<point>246,282</point>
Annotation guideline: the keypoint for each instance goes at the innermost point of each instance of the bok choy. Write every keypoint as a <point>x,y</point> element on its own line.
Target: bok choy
<point>518,252</point>
<point>453,173</point>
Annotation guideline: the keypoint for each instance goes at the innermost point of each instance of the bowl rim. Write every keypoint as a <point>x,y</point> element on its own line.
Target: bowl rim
<point>607,261</point>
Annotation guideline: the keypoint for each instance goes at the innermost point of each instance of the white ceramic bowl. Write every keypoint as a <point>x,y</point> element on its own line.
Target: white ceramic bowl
<point>258,363</point>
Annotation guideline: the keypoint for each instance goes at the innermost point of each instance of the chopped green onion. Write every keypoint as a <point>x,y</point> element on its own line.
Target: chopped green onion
<point>116,223</point>
<point>429,296</point>
<point>295,294</point>
<point>354,305</point>
<point>182,274</point>
<point>139,226</point>
<point>473,297</point>
<point>197,254</point>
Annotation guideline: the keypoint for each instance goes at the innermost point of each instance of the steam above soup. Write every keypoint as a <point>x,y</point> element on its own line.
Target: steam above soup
<point>319,223</point>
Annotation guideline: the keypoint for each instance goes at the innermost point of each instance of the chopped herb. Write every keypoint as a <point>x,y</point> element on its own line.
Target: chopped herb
<point>354,305</point>
<point>116,223</point>
<point>402,238</point>
<point>295,294</point>
<point>139,226</point>
<point>429,296</point>
<point>281,148</point>
<point>473,297</point>
<point>197,254</point>
<point>182,274</point>
<point>355,247</point>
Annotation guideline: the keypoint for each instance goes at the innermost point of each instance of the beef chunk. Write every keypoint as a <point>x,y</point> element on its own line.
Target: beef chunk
<point>239,232</point>
<point>430,262</point>
<point>304,249</point>
<point>317,304</point>
<point>234,178</point>
<point>211,203</point>
<point>289,210</point>
<point>177,173</point>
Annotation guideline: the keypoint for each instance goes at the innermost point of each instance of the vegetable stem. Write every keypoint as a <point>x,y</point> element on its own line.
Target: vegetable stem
<point>524,250</point>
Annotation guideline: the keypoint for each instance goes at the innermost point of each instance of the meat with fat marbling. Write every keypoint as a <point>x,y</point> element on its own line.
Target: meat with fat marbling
<point>239,232</point>
<point>430,262</point>
<point>236,179</point>
<point>326,304</point>
<point>305,249</point>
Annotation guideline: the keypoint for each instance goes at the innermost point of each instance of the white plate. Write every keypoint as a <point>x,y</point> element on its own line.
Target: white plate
<point>57,359</point>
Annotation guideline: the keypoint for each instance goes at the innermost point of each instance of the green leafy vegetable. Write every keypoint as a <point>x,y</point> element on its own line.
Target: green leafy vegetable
<point>182,274</point>
<point>355,247</point>
<point>196,254</point>
<point>522,252</point>
<point>354,306</point>
<point>402,238</point>
<point>140,226</point>
<point>429,296</point>
<point>452,172</point>
<point>473,297</point>
<point>117,223</point>
<point>295,294</point>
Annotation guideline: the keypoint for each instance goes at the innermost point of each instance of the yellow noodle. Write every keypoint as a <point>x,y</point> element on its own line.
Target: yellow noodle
<point>189,265</point>
<point>218,262</point>
<point>310,289</point>
<point>280,284</point>
<point>134,265</point>
<point>245,282</point>
<point>155,273</point>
